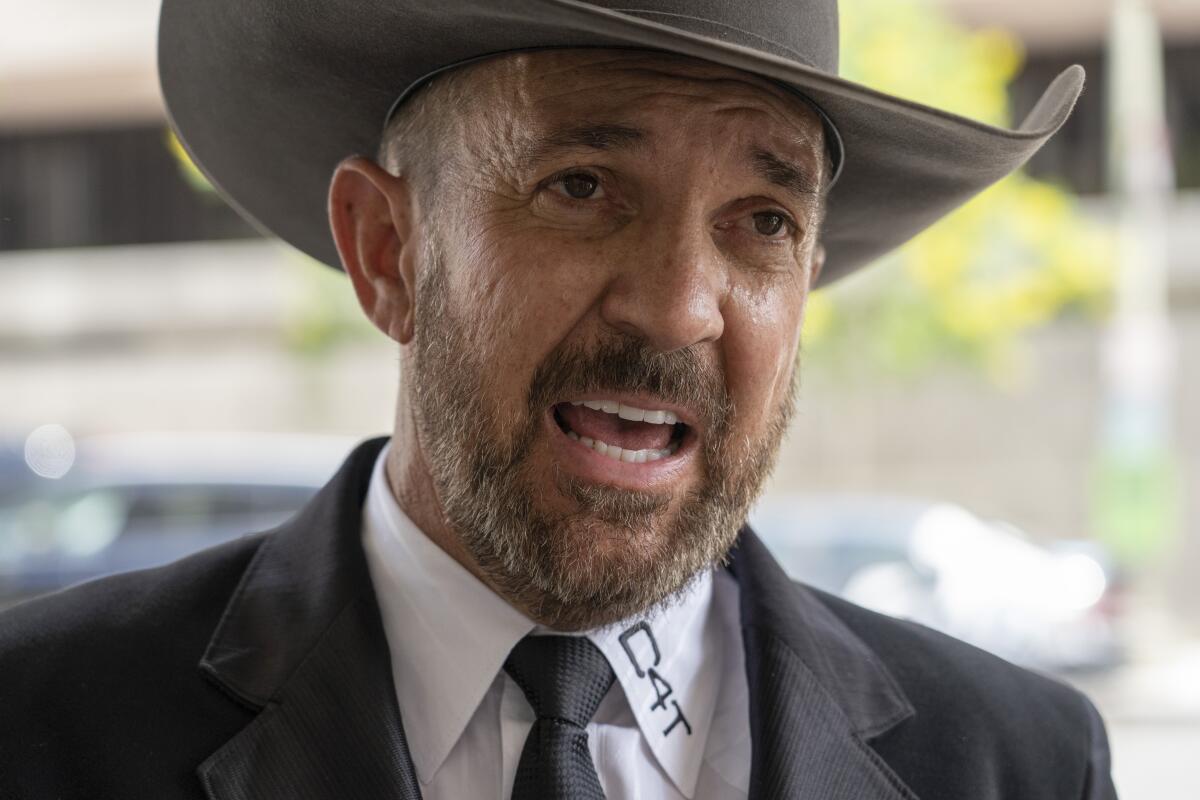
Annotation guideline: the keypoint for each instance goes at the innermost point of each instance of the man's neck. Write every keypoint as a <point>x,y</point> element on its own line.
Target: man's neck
<point>411,482</point>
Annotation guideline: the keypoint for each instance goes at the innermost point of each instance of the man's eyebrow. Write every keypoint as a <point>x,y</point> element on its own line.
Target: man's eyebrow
<point>594,136</point>
<point>800,182</point>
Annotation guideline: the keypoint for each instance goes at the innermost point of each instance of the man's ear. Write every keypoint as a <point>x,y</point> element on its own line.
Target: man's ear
<point>372,217</point>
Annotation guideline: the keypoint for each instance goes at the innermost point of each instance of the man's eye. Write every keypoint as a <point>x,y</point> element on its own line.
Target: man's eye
<point>769,223</point>
<point>579,185</point>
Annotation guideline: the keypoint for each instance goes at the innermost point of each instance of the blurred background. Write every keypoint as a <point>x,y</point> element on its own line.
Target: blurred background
<point>999,429</point>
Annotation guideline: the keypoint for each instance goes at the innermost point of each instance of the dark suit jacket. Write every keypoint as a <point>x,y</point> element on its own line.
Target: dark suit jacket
<point>259,669</point>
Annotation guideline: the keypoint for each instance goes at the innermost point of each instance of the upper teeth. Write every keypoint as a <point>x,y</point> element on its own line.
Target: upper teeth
<point>629,412</point>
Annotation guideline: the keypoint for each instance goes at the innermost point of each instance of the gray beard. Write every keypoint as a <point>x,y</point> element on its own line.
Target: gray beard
<point>621,552</point>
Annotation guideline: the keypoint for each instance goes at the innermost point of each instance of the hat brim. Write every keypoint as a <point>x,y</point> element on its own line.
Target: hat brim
<point>267,98</point>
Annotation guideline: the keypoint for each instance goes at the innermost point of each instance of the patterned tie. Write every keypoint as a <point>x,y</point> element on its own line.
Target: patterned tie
<point>564,678</point>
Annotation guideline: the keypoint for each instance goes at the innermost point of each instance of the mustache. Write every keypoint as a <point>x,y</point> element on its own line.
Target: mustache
<point>626,363</point>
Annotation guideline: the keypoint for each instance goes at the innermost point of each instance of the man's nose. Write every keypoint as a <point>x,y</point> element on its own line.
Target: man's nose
<point>670,289</point>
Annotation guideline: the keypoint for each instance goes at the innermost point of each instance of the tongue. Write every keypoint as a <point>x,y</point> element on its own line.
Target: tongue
<point>612,430</point>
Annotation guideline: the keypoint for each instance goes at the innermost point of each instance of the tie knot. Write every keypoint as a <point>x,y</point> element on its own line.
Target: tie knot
<point>563,677</point>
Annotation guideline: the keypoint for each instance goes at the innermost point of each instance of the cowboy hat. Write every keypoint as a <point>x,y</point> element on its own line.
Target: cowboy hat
<point>269,96</point>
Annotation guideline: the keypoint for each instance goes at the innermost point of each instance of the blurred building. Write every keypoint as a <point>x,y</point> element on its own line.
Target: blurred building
<point>106,250</point>
<point>129,300</point>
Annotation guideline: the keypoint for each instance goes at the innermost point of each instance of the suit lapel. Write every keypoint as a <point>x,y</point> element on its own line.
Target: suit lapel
<point>817,693</point>
<point>301,641</point>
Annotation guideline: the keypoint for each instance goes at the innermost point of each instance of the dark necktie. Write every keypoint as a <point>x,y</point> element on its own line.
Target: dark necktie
<point>564,678</point>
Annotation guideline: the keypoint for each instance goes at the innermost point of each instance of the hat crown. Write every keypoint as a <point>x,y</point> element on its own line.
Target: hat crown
<point>796,30</point>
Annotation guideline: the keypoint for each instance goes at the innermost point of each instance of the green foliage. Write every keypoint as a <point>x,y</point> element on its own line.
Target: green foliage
<point>1017,256</point>
<point>1136,503</point>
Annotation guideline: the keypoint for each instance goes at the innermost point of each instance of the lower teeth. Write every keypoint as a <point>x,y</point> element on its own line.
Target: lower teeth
<point>619,454</point>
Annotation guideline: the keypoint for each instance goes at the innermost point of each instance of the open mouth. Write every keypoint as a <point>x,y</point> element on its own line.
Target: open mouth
<point>620,431</point>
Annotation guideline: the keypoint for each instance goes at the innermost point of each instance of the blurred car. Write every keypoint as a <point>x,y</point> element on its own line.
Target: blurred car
<point>15,474</point>
<point>140,500</point>
<point>937,564</point>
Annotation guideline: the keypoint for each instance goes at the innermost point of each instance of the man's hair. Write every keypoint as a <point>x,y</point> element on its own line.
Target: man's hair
<point>417,141</point>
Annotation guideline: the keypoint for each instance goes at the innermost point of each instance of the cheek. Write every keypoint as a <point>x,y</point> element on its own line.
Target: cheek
<point>762,331</point>
<point>523,295</point>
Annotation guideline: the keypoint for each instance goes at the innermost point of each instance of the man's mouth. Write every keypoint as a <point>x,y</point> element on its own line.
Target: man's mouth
<point>620,431</point>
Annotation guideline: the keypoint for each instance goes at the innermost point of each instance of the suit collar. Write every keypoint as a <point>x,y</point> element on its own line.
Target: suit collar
<point>849,671</point>
<point>301,579</point>
<point>817,692</point>
<point>301,640</point>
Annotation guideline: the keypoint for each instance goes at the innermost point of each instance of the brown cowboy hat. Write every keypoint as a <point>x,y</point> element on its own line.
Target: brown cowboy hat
<point>268,96</point>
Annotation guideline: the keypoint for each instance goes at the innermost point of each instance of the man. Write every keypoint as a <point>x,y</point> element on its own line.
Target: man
<point>592,233</point>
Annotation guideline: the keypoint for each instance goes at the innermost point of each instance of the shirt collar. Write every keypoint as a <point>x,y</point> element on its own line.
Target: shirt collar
<point>669,664</point>
<point>449,634</point>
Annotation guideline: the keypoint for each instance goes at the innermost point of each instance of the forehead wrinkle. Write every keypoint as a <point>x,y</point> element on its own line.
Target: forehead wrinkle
<point>797,167</point>
<point>538,147</point>
<point>582,69</point>
<point>524,95</point>
<point>668,67</point>
<point>615,95</point>
<point>613,125</point>
<point>797,181</point>
<point>791,161</point>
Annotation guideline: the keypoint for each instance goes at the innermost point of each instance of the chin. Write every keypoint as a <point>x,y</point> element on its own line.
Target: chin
<point>592,572</point>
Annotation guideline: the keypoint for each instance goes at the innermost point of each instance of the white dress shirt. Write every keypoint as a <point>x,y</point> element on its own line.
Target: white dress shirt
<point>675,723</point>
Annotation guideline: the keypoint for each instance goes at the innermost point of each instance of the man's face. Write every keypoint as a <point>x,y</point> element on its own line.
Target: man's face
<point>607,318</point>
